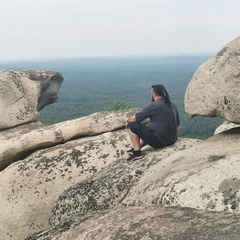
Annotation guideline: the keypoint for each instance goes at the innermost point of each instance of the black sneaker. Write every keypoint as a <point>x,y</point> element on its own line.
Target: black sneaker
<point>131,151</point>
<point>135,156</point>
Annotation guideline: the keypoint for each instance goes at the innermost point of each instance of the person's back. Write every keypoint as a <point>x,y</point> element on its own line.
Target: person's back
<point>163,120</point>
<point>163,129</point>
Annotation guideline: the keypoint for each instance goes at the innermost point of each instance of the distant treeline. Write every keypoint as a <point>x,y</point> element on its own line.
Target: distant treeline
<point>97,84</point>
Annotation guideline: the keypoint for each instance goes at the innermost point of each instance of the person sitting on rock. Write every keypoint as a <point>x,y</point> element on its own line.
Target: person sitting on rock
<point>163,128</point>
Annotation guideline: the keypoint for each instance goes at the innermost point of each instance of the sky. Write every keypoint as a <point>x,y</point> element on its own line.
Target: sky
<point>103,28</point>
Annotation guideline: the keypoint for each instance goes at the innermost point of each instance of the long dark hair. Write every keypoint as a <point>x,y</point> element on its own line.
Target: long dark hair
<point>162,92</point>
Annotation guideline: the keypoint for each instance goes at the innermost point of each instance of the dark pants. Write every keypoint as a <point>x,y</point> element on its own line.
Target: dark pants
<point>146,134</point>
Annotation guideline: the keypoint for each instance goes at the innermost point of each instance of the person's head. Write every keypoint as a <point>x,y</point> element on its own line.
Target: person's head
<point>159,90</point>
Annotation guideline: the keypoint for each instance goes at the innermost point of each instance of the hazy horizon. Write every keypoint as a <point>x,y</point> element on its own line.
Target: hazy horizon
<point>105,57</point>
<point>107,28</point>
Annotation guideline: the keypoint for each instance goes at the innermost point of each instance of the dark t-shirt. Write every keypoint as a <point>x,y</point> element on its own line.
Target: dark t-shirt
<point>163,120</point>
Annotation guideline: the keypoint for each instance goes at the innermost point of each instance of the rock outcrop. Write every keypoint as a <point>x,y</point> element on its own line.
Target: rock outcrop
<point>31,187</point>
<point>71,180</point>
<point>23,94</point>
<point>214,88</point>
<point>226,126</point>
<point>147,222</point>
<point>20,142</point>
<point>63,189</point>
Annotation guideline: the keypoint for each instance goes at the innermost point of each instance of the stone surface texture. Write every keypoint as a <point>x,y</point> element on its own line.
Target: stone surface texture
<point>214,88</point>
<point>148,223</point>
<point>71,180</point>
<point>24,94</point>
<point>17,144</point>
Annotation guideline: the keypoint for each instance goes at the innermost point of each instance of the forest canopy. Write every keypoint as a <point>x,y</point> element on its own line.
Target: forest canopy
<point>97,84</point>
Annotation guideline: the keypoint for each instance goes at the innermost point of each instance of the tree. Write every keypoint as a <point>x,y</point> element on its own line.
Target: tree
<point>119,105</point>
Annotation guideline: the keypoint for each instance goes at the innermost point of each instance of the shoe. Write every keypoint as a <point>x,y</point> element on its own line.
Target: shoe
<point>135,156</point>
<point>131,151</point>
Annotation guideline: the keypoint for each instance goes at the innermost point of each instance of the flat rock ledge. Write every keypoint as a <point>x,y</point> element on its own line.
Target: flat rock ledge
<point>19,142</point>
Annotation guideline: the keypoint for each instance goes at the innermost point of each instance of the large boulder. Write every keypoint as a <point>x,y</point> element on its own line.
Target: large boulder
<point>24,94</point>
<point>201,175</point>
<point>205,176</point>
<point>214,89</point>
<point>30,187</point>
<point>147,223</point>
<point>71,180</point>
<point>57,187</point>
<point>114,184</point>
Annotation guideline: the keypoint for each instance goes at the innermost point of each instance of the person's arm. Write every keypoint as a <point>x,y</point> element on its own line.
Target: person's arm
<point>177,132</point>
<point>178,124</point>
<point>131,119</point>
<point>140,116</point>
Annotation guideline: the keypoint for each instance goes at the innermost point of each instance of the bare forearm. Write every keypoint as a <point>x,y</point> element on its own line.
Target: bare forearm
<point>132,119</point>
<point>178,132</point>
